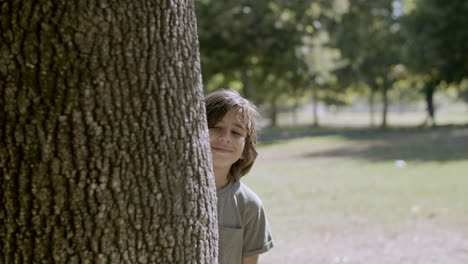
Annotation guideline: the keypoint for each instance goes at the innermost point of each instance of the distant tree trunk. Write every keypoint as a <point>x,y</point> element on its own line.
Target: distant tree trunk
<point>104,154</point>
<point>372,107</point>
<point>315,106</point>
<point>429,91</point>
<point>296,107</point>
<point>246,90</point>
<point>274,111</point>
<point>384,104</point>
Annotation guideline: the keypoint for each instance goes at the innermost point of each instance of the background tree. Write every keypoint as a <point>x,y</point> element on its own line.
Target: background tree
<point>436,44</point>
<point>104,152</point>
<point>331,51</point>
<point>252,46</point>
<point>321,60</point>
<point>234,37</point>
<point>368,38</point>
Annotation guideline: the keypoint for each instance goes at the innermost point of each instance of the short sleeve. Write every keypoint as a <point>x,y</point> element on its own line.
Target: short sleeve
<point>257,234</point>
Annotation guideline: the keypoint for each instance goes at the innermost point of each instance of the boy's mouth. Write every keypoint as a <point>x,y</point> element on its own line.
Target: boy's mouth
<point>220,149</point>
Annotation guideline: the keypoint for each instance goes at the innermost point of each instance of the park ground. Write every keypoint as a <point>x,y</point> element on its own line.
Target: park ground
<point>365,195</point>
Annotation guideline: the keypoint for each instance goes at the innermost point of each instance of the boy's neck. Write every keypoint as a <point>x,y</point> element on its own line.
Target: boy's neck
<point>221,177</point>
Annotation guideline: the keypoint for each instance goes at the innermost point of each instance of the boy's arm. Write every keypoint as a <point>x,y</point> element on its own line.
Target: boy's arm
<point>250,260</point>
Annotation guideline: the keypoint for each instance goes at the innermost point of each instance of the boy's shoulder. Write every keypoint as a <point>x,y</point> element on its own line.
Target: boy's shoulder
<point>246,195</point>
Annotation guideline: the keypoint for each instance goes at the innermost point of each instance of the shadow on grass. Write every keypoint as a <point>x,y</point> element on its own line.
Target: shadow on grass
<point>447,143</point>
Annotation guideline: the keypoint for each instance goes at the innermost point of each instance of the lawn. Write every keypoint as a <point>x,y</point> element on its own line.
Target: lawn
<point>394,196</point>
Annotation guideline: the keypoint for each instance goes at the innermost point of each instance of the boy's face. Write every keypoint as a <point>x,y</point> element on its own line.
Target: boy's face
<point>227,140</point>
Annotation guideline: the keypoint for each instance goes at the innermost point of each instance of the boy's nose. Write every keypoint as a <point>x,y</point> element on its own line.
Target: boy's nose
<point>225,137</point>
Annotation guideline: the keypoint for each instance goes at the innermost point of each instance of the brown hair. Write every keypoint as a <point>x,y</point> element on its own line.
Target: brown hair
<point>218,104</point>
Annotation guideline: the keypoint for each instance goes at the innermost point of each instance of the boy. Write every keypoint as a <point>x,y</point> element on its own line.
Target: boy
<point>244,232</point>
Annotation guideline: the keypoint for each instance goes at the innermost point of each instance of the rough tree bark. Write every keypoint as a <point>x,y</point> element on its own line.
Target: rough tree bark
<point>104,154</point>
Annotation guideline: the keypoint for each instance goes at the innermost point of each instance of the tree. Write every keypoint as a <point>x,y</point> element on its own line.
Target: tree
<point>436,38</point>
<point>252,45</point>
<point>442,25</point>
<point>104,154</point>
<point>233,37</point>
<point>368,37</point>
<point>321,61</point>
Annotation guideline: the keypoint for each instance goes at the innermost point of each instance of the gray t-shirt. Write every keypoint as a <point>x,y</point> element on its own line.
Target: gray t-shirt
<point>242,223</point>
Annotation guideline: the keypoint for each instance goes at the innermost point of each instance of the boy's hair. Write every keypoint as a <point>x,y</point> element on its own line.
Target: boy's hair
<point>217,105</point>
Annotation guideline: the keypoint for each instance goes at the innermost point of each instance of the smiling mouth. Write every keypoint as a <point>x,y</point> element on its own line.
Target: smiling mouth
<point>222,150</point>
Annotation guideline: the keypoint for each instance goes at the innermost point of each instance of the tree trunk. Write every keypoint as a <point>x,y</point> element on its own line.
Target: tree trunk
<point>246,91</point>
<point>384,104</point>
<point>429,91</point>
<point>315,106</point>
<point>296,107</point>
<point>274,111</point>
<point>104,154</point>
<point>372,107</point>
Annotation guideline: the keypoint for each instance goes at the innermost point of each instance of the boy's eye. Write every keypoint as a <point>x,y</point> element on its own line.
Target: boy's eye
<point>237,133</point>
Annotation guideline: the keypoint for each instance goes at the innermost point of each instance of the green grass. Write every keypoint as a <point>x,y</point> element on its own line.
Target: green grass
<point>347,182</point>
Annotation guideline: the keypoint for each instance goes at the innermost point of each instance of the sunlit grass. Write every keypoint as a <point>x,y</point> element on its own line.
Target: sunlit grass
<point>349,184</point>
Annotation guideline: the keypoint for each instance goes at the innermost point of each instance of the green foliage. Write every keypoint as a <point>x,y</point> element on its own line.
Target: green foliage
<point>279,50</point>
<point>368,38</point>
<point>257,43</point>
<point>250,38</point>
<point>437,38</point>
